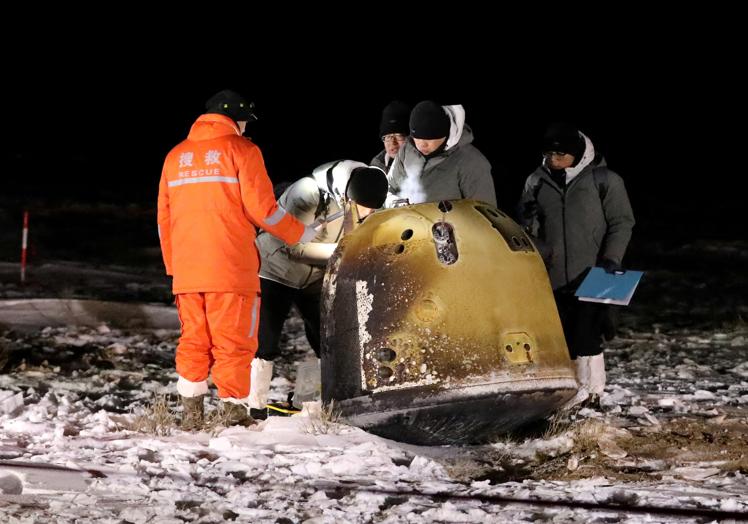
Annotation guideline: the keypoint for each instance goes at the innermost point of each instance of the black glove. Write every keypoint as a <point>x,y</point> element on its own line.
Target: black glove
<point>610,266</point>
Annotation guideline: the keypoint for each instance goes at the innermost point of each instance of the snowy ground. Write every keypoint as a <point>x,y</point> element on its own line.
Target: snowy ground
<point>672,434</point>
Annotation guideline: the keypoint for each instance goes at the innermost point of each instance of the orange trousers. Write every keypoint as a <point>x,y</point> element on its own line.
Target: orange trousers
<point>219,337</point>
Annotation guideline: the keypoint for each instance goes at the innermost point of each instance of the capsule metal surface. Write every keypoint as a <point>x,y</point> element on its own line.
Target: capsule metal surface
<point>440,327</point>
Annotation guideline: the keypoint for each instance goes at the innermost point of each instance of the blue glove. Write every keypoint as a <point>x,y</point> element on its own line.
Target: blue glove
<point>610,266</point>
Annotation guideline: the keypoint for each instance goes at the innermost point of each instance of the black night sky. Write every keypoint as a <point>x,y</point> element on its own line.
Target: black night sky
<point>78,129</point>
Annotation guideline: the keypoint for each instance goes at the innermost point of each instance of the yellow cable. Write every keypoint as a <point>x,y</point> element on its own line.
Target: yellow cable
<point>290,411</point>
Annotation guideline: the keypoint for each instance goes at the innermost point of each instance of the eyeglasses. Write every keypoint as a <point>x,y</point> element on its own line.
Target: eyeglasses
<point>395,137</point>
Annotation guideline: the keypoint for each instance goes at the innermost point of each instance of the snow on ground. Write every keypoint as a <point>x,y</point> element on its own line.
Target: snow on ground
<point>672,434</point>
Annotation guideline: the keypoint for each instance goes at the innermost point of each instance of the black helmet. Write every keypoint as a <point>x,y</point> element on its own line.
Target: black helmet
<point>367,186</point>
<point>231,104</point>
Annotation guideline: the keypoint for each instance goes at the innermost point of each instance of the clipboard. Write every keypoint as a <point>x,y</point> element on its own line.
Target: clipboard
<point>609,288</point>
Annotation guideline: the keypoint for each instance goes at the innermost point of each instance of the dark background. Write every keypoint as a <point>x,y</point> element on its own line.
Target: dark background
<point>667,111</point>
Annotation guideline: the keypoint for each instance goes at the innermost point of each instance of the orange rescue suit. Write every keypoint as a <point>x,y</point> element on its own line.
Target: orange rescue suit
<point>214,191</point>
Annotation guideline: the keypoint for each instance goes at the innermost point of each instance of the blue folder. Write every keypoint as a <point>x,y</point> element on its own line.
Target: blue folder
<point>609,288</point>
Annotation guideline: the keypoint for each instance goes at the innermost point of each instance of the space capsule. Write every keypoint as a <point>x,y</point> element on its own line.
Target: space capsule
<point>440,327</point>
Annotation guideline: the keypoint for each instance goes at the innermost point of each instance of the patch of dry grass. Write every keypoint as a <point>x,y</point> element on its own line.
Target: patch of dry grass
<point>158,419</point>
<point>324,422</point>
<point>586,435</point>
<point>559,423</point>
<point>740,465</point>
<point>494,463</point>
<point>465,469</point>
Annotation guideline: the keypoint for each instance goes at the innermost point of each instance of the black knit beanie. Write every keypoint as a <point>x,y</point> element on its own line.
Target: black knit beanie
<point>394,119</point>
<point>429,121</point>
<point>563,138</point>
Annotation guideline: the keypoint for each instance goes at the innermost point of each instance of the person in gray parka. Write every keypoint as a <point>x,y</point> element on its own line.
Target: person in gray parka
<point>578,212</point>
<point>439,161</point>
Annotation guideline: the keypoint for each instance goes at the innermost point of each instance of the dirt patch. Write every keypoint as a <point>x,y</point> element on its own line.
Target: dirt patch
<point>654,451</point>
<point>600,448</point>
<point>687,440</point>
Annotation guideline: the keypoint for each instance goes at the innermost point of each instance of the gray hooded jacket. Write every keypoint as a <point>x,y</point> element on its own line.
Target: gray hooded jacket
<point>590,220</point>
<point>459,171</point>
<point>315,198</point>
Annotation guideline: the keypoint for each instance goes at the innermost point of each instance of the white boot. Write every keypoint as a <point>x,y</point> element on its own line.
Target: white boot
<point>259,384</point>
<point>583,372</point>
<point>597,375</point>
<point>308,387</point>
<point>190,389</point>
<point>583,379</point>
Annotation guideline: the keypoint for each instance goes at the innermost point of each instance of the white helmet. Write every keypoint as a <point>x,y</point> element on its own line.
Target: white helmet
<point>333,177</point>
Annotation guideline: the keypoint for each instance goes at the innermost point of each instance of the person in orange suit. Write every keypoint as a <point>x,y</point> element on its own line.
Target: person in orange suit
<point>214,191</point>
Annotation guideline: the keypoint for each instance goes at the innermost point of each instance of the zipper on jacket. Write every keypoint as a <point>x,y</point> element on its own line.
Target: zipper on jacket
<point>563,226</point>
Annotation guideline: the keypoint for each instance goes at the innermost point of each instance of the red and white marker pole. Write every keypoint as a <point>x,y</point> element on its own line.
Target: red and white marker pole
<point>24,244</point>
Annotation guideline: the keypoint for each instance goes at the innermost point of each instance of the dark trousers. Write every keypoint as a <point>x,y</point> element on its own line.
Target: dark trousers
<point>277,300</point>
<point>582,323</point>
